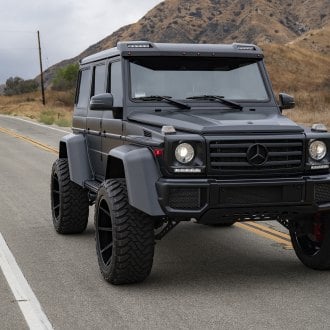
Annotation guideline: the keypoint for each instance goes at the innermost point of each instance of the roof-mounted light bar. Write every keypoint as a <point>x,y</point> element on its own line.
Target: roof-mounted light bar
<point>243,47</point>
<point>139,45</point>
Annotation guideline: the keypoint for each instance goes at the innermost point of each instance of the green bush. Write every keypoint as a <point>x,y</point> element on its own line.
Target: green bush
<point>47,117</point>
<point>17,85</point>
<point>63,122</point>
<point>65,78</point>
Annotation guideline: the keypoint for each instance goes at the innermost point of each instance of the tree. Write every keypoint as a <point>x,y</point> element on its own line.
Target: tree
<point>17,85</point>
<point>66,77</point>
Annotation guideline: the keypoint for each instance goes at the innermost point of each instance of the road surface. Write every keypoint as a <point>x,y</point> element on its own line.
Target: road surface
<point>203,277</point>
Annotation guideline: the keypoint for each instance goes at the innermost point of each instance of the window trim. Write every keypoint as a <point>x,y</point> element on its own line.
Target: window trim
<point>94,76</point>
<point>87,68</point>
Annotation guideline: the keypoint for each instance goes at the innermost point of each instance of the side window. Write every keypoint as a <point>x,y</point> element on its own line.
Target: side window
<point>116,84</point>
<point>99,79</point>
<point>84,88</point>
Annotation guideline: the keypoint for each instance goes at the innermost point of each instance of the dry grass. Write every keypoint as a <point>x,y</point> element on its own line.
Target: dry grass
<point>311,108</point>
<point>305,74</point>
<point>56,111</point>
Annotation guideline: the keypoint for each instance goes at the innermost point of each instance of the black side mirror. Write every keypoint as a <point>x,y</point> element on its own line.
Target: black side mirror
<point>101,102</point>
<point>286,101</point>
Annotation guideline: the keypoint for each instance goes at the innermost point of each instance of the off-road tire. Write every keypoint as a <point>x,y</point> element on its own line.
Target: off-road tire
<point>313,252</point>
<point>124,236</point>
<point>69,201</point>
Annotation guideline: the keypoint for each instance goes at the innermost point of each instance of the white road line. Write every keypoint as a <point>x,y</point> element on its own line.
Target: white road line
<point>26,299</point>
<point>37,124</point>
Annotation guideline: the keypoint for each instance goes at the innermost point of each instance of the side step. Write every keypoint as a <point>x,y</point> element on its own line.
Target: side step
<point>92,185</point>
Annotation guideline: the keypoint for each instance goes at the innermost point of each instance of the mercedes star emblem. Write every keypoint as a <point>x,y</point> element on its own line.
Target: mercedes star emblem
<point>257,154</point>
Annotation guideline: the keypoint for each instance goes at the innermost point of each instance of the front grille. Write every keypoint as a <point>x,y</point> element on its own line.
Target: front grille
<point>231,156</point>
<point>322,192</point>
<point>184,198</point>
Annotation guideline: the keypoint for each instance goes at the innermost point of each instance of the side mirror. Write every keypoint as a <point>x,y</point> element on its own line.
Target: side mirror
<point>286,101</point>
<point>101,102</point>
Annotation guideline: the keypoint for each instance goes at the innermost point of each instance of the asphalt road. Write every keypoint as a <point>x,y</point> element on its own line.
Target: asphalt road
<point>203,277</point>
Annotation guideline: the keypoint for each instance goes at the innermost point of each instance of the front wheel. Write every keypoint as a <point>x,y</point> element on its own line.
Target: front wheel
<point>310,238</point>
<point>124,236</point>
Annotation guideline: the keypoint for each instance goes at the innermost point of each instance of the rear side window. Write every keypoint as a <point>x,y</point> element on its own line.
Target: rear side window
<point>99,79</point>
<point>84,88</point>
<point>116,84</point>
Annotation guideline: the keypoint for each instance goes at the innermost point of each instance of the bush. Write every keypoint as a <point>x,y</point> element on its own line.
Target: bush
<point>17,85</point>
<point>66,77</point>
<point>63,122</point>
<point>47,117</point>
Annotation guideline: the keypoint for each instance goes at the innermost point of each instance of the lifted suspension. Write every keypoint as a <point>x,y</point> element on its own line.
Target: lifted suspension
<point>168,225</point>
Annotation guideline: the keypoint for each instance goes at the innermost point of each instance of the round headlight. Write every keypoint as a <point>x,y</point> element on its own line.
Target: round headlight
<point>184,153</point>
<point>317,150</point>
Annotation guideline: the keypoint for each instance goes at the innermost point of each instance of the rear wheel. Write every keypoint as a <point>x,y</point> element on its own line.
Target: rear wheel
<point>310,238</point>
<point>69,202</point>
<point>124,236</point>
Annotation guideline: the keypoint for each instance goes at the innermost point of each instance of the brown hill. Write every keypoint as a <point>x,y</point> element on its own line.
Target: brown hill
<point>316,40</point>
<point>216,21</point>
<point>219,21</point>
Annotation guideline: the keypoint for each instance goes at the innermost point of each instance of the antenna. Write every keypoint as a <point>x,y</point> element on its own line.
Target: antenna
<point>41,72</point>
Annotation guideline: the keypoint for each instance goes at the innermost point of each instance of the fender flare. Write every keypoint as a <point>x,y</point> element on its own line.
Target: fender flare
<point>74,148</point>
<point>141,173</point>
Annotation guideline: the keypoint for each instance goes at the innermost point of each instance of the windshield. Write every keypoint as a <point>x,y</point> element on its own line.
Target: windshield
<point>185,77</point>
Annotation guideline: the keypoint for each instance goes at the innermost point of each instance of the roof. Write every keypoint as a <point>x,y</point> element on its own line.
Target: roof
<point>147,48</point>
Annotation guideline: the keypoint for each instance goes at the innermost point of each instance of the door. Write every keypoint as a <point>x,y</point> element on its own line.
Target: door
<point>81,100</point>
<point>112,120</point>
<point>94,119</point>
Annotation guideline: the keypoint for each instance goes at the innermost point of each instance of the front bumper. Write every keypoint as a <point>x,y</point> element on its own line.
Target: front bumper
<point>210,200</point>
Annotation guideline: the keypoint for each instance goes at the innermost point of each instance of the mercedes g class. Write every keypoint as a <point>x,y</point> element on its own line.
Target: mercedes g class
<point>164,133</point>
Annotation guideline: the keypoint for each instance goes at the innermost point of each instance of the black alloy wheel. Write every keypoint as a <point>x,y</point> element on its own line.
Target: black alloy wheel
<point>124,236</point>
<point>310,238</point>
<point>104,233</point>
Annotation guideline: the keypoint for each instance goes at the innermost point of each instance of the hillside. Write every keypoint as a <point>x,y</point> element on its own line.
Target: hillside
<point>219,21</point>
<point>294,34</point>
<point>214,21</point>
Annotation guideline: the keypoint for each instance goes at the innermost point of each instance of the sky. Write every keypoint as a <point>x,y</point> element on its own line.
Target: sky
<point>67,27</point>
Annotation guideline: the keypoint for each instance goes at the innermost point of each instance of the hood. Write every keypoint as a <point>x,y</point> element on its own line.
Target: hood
<point>223,121</point>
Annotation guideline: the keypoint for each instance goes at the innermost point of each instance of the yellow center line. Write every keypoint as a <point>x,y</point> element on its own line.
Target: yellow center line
<point>285,243</point>
<point>27,139</point>
<point>270,230</point>
<point>253,227</point>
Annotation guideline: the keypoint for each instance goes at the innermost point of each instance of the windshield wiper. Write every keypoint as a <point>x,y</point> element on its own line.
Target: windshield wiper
<point>217,98</point>
<point>163,98</point>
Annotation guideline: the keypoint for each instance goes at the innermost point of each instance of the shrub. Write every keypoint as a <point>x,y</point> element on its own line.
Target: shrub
<point>65,78</point>
<point>17,85</point>
<point>47,117</point>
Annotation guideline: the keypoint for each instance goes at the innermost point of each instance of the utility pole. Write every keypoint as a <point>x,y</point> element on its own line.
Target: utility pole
<point>41,72</point>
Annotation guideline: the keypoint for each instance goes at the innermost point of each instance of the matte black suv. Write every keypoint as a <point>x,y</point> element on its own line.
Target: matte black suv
<point>164,133</point>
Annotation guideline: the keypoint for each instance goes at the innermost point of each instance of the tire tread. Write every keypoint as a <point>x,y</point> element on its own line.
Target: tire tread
<point>133,235</point>
<point>74,204</point>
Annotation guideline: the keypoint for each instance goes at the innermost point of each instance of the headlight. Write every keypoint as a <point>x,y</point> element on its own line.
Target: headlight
<point>317,150</point>
<point>184,153</point>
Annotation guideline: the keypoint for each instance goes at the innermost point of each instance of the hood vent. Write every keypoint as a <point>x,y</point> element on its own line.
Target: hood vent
<point>147,133</point>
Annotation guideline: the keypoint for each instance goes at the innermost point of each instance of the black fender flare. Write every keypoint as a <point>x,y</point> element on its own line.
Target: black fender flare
<point>74,148</point>
<point>141,173</point>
